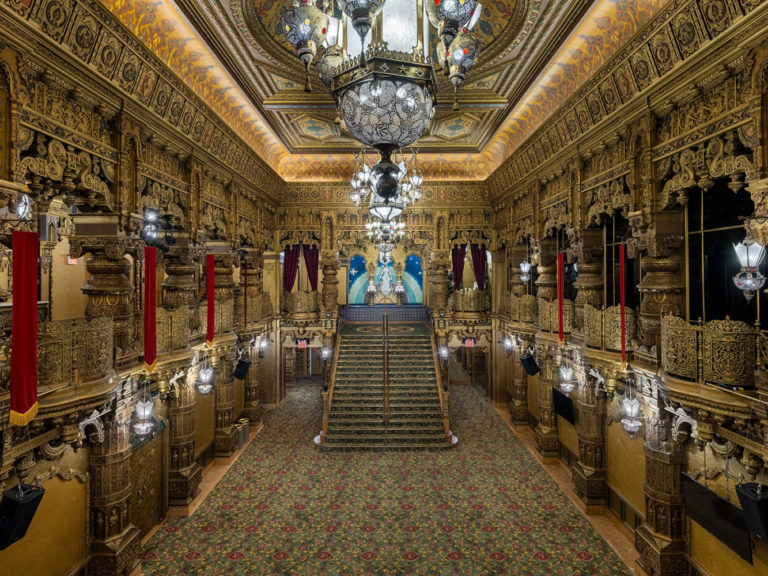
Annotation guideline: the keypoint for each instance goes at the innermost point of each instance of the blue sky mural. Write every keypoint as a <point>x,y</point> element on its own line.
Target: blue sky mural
<point>358,280</point>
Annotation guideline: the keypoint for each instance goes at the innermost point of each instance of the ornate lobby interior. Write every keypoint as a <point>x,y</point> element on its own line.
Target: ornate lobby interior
<point>383,287</point>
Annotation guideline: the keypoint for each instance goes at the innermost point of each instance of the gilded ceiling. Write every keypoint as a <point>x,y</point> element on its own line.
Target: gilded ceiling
<point>536,53</point>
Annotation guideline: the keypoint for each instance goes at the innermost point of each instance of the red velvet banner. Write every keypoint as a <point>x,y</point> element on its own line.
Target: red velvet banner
<point>560,295</point>
<point>210,276</point>
<point>150,307</point>
<point>623,319</point>
<point>24,328</point>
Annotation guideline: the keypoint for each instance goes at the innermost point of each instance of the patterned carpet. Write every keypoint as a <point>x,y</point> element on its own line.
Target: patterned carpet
<point>484,507</point>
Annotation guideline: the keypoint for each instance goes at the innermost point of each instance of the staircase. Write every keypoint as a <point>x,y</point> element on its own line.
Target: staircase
<point>356,418</point>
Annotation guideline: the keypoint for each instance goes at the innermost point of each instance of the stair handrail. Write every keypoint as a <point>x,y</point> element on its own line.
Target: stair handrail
<point>334,365</point>
<point>385,365</point>
<point>440,394</point>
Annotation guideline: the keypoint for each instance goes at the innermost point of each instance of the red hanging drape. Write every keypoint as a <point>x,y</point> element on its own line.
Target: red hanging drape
<point>24,328</point>
<point>478,264</point>
<point>290,266</point>
<point>623,318</point>
<point>312,259</point>
<point>210,276</point>
<point>560,295</point>
<point>457,259</point>
<point>150,305</point>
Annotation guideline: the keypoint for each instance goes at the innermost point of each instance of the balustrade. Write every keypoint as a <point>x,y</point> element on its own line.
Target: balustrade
<point>602,328</point>
<point>301,305</point>
<point>470,301</point>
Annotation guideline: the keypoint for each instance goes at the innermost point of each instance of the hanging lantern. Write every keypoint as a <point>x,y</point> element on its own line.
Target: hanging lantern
<point>304,26</point>
<point>205,378</point>
<point>144,424</point>
<point>750,255</point>
<point>448,16</point>
<point>567,381</point>
<point>633,412</point>
<point>464,52</point>
<point>329,64</point>
<point>525,272</point>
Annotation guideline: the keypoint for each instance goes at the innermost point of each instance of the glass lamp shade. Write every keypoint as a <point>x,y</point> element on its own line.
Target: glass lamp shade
<point>566,373</point>
<point>444,352</point>
<point>385,210</point>
<point>143,427</point>
<point>464,52</point>
<point>630,407</point>
<point>525,267</point>
<point>567,386</point>
<point>508,344</point>
<point>387,113</point>
<point>22,208</point>
<point>448,16</point>
<point>361,13</point>
<point>144,409</point>
<point>748,282</point>
<point>305,27</point>
<point>205,374</point>
<point>749,253</point>
<point>329,64</point>
<point>204,387</point>
<point>632,426</point>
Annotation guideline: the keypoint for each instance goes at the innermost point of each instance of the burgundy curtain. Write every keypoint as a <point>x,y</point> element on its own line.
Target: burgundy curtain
<point>312,258</point>
<point>478,264</point>
<point>457,257</point>
<point>291,266</point>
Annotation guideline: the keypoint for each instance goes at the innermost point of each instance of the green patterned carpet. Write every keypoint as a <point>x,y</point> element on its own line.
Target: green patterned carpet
<point>484,507</point>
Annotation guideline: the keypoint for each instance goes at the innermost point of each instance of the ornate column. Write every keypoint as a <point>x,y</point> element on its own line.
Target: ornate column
<point>184,473</point>
<point>179,285</point>
<point>115,543</point>
<point>589,283</point>
<point>109,288</point>
<point>330,265</point>
<point>518,403</point>
<point>589,471</point>
<point>547,439</point>
<point>660,539</point>
<point>289,357</point>
<point>547,269</point>
<point>225,434</point>
<point>438,277</point>
<point>662,288</point>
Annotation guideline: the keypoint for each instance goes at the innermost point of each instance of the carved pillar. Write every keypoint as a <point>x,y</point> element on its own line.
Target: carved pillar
<point>109,288</point>
<point>547,269</point>
<point>115,543</point>
<point>330,264</point>
<point>253,407</point>
<point>518,403</point>
<point>518,254</point>
<point>547,439</point>
<point>289,357</point>
<point>225,434</point>
<point>589,471</point>
<point>660,538</point>
<point>439,279</point>
<point>662,289</point>
<point>185,473</point>
<point>589,283</point>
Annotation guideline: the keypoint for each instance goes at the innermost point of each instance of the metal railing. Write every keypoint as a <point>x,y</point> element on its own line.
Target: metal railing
<point>385,365</point>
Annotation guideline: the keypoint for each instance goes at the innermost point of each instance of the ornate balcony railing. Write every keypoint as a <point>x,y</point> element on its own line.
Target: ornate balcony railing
<point>548,316</point>
<point>524,309</point>
<point>468,300</point>
<point>722,352</point>
<point>602,328</point>
<point>301,305</point>
<point>64,346</point>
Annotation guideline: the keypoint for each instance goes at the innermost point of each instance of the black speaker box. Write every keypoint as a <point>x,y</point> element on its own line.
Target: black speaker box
<point>242,368</point>
<point>529,363</point>
<point>16,512</point>
<point>755,508</point>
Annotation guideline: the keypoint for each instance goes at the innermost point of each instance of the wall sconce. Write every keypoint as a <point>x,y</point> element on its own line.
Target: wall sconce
<point>151,226</point>
<point>443,352</point>
<point>750,254</point>
<point>264,342</point>
<point>22,207</point>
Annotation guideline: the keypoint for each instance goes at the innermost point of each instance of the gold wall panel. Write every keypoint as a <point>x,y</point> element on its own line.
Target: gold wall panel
<point>625,465</point>
<point>716,558</point>
<point>569,436</point>
<point>238,389</point>
<point>204,422</point>
<point>55,543</point>
<point>149,473</point>
<point>533,396</point>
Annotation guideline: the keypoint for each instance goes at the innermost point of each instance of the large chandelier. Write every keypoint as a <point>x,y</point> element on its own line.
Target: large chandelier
<point>375,60</point>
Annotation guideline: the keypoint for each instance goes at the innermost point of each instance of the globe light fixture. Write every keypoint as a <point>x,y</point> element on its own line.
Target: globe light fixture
<point>749,279</point>
<point>144,424</point>
<point>462,55</point>
<point>205,377</point>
